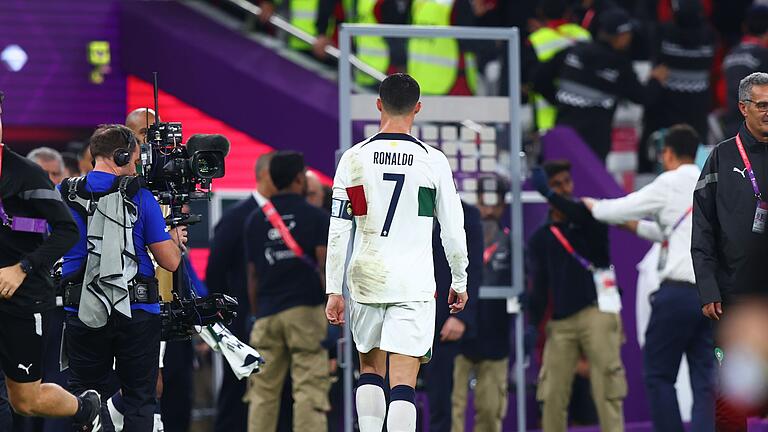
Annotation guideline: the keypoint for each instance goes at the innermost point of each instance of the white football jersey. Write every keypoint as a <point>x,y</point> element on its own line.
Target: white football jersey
<point>393,186</point>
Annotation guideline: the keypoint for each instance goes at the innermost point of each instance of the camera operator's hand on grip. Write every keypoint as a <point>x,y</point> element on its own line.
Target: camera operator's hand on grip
<point>10,280</point>
<point>179,236</point>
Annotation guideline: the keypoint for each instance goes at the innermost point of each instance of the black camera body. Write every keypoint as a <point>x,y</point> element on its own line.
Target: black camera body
<point>179,317</point>
<point>176,172</point>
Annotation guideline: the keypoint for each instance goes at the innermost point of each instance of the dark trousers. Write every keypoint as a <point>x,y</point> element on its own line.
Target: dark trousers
<point>439,376</point>
<point>54,322</point>
<point>232,412</point>
<point>177,386</point>
<point>135,345</point>
<point>6,419</point>
<point>678,327</point>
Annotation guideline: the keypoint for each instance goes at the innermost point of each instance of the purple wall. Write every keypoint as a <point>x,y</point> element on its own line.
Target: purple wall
<point>232,78</point>
<point>54,87</point>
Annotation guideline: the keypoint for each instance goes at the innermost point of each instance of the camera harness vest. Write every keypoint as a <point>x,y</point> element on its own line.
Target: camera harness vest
<point>110,268</point>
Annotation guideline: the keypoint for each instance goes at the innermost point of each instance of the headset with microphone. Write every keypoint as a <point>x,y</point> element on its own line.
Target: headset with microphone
<point>122,156</point>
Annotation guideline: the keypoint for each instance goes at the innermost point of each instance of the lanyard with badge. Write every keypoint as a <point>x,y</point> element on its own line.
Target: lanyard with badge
<point>19,223</point>
<point>664,252</point>
<point>761,212</point>
<point>277,223</point>
<point>608,298</point>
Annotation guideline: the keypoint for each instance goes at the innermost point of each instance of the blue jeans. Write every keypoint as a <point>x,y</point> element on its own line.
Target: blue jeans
<point>678,327</point>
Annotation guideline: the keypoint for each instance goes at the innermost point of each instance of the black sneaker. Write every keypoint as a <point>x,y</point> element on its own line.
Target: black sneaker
<point>91,401</point>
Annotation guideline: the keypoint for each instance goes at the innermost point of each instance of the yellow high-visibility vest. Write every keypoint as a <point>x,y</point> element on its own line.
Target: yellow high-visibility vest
<point>372,50</point>
<point>433,62</point>
<point>304,16</point>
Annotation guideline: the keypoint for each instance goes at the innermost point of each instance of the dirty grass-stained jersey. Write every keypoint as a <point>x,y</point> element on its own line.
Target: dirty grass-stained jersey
<point>393,185</point>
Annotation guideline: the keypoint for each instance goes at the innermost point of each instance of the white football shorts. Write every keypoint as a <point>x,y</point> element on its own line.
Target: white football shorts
<point>403,328</point>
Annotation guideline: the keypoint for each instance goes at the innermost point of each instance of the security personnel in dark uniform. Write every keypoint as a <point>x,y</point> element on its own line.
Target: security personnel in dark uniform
<point>486,350</point>
<point>751,55</point>
<point>729,242</point>
<point>686,48</point>
<point>452,329</point>
<point>587,81</point>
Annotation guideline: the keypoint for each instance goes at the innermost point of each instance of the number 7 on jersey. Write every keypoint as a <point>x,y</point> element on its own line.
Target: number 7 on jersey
<point>399,179</point>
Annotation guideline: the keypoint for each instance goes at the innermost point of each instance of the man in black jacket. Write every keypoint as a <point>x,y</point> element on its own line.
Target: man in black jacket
<point>29,204</point>
<point>587,81</point>
<point>729,244</point>
<point>578,325</point>
<point>226,274</point>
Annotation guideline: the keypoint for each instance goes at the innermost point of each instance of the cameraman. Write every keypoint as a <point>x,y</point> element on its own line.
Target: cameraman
<point>26,291</point>
<point>101,325</point>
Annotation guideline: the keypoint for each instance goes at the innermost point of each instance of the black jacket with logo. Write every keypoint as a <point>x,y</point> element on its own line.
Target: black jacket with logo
<point>586,82</point>
<point>728,258</point>
<point>685,95</point>
<point>25,190</point>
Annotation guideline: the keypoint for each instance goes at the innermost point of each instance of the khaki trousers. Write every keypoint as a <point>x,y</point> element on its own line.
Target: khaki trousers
<point>490,393</point>
<point>598,336</point>
<point>290,341</point>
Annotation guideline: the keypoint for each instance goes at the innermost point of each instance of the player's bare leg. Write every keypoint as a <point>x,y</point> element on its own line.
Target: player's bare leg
<point>402,380</point>
<point>369,398</point>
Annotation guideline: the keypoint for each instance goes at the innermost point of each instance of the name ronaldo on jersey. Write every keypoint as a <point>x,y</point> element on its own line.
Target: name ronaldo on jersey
<point>390,158</point>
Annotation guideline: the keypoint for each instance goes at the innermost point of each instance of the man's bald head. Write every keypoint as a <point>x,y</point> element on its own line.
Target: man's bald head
<point>138,120</point>
<point>315,192</point>
<point>264,182</point>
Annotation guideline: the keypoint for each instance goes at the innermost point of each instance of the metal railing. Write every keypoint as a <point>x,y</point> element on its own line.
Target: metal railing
<point>284,25</point>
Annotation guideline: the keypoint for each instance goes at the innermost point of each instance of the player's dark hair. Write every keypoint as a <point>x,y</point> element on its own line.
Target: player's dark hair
<point>284,167</point>
<point>555,167</point>
<point>756,22</point>
<point>109,137</point>
<point>399,94</point>
<point>683,140</point>
<point>71,162</point>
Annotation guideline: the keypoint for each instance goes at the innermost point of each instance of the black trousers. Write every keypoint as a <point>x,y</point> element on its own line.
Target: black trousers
<point>231,411</point>
<point>6,419</point>
<point>54,322</point>
<point>134,344</point>
<point>439,376</point>
<point>177,386</point>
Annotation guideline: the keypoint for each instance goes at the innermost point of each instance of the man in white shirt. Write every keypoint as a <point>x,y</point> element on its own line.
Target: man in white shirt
<point>393,185</point>
<point>677,326</point>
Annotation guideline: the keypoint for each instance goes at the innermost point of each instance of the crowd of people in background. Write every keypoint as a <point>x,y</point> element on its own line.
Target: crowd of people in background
<point>696,50</point>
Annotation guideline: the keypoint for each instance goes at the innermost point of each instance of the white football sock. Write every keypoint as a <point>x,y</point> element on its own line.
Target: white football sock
<point>401,417</point>
<point>371,408</point>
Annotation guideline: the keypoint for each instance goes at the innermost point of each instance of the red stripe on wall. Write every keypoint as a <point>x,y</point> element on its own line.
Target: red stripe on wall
<point>243,152</point>
<point>199,259</point>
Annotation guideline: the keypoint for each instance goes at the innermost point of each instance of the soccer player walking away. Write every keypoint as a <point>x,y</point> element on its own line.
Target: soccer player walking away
<point>392,185</point>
